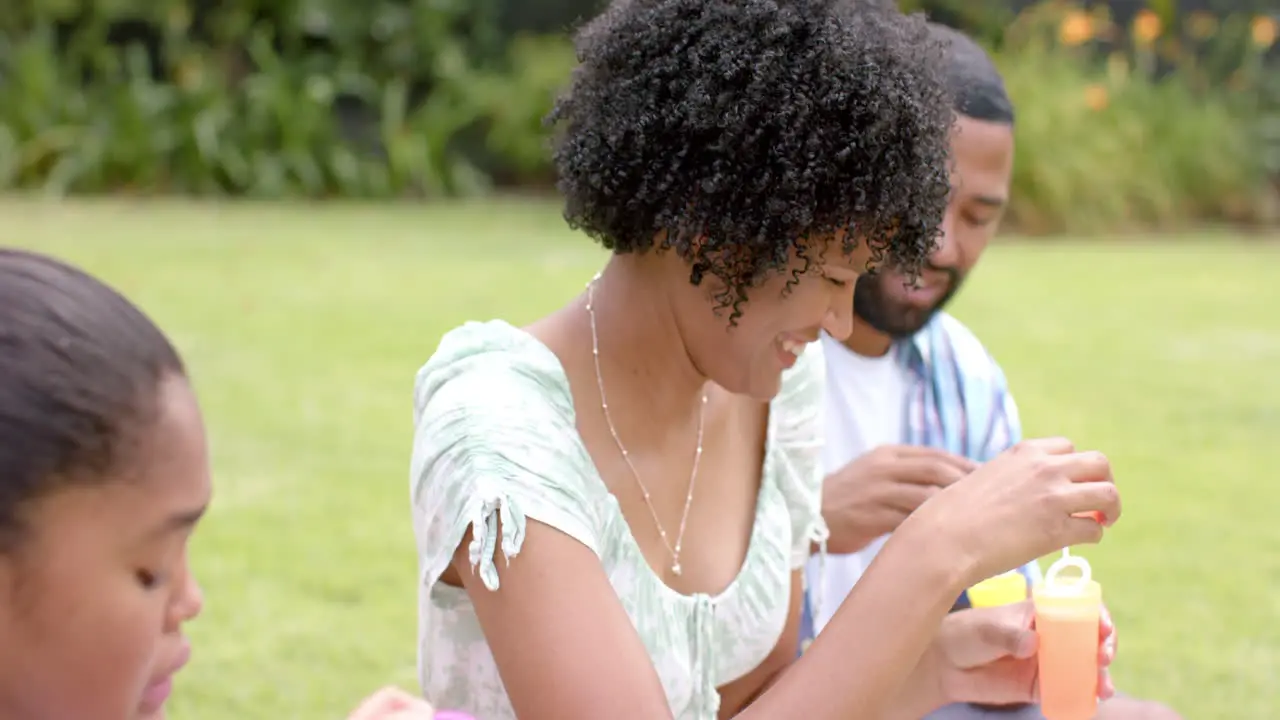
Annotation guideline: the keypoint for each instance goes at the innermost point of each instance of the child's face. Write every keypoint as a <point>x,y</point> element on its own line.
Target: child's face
<point>93,601</point>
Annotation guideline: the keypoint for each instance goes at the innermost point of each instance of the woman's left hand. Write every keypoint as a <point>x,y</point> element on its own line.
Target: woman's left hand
<point>988,655</point>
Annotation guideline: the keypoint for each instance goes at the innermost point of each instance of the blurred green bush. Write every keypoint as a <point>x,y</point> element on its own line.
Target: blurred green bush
<point>266,98</point>
<point>1141,124</point>
<point>1158,120</point>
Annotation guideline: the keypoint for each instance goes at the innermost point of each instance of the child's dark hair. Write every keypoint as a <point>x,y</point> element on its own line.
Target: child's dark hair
<point>80,372</point>
<point>733,131</point>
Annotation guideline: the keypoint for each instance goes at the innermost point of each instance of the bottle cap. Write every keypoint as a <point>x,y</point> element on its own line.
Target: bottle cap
<point>1056,586</point>
<point>1004,589</point>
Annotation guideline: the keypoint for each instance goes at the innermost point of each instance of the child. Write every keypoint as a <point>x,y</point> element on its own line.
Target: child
<point>104,474</point>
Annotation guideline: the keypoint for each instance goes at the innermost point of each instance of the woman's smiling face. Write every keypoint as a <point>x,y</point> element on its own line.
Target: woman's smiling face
<point>781,316</point>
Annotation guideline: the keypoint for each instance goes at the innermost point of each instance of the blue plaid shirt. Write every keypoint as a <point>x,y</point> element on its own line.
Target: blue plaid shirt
<point>958,400</point>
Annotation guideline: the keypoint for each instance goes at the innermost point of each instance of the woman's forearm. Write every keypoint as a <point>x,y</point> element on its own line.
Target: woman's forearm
<point>868,659</point>
<point>920,695</point>
<point>922,691</point>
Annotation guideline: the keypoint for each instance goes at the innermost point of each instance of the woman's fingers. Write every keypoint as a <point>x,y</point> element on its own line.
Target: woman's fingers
<point>1088,466</point>
<point>1093,497</point>
<point>1082,531</point>
<point>1093,493</point>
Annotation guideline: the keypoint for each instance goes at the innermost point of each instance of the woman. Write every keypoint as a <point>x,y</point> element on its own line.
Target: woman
<point>104,475</point>
<point>612,505</point>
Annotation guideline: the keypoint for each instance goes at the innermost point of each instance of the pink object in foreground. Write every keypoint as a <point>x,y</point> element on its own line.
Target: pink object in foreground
<point>452,715</point>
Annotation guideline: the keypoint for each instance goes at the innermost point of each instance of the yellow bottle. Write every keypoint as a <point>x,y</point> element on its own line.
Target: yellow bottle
<point>1004,589</point>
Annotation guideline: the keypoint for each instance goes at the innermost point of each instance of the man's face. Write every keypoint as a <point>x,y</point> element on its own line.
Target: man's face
<point>983,166</point>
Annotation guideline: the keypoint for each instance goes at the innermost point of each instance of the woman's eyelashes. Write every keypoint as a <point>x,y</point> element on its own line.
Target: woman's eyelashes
<point>150,580</point>
<point>979,220</point>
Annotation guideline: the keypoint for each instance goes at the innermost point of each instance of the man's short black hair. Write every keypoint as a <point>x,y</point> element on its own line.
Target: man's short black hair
<point>976,86</point>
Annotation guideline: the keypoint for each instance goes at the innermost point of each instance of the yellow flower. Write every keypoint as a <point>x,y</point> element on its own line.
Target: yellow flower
<point>1076,28</point>
<point>1146,26</point>
<point>1096,98</point>
<point>1263,30</point>
<point>1201,25</point>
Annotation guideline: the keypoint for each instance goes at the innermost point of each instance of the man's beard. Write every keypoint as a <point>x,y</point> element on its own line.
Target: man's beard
<point>892,317</point>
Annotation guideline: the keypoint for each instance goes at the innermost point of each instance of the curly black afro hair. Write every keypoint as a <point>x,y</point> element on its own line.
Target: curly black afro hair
<point>733,131</point>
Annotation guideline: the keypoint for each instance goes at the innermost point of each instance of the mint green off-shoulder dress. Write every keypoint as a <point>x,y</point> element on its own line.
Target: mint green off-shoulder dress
<point>495,437</point>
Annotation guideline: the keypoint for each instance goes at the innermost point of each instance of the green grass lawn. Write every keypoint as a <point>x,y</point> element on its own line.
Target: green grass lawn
<point>304,325</point>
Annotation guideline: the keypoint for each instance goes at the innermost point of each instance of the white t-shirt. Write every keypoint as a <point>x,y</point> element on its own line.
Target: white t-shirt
<point>863,409</point>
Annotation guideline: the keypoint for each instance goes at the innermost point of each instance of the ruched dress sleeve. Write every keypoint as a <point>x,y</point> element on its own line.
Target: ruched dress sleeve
<point>495,446</point>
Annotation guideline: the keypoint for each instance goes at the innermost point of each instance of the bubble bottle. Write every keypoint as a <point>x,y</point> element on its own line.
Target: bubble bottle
<point>1068,613</point>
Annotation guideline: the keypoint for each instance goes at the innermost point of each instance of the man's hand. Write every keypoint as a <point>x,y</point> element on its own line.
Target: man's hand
<point>988,655</point>
<point>1127,708</point>
<point>873,494</point>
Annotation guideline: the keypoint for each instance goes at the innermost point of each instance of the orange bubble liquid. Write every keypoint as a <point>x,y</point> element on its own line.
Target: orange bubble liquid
<point>1067,624</point>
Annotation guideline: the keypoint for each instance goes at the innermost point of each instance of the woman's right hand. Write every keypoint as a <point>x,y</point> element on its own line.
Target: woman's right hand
<point>1037,497</point>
